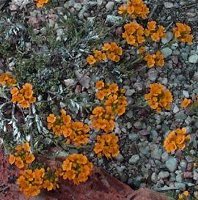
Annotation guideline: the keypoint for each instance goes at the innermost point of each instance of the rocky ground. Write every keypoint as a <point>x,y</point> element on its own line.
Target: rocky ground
<point>142,162</point>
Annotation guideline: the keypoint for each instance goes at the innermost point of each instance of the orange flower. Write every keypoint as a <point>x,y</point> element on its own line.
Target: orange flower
<point>24,97</point>
<point>155,59</point>
<point>176,139</point>
<point>29,158</point>
<point>19,162</point>
<point>91,60</point>
<point>141,50</point>
<point>75,132</point>
<point>186,102</point>
<point>51,118</point>
<point>12,159</point>
<point>6,79</point>
<point>99,55</point>
<point>41,3</point>
<point>135,9</point>
<point>182,33</point>
<point>100,94</point>
<point>107,145</point>
<point>114,104</point>
<point>112,51</point>
<point>159,97</point>
<point>31,181</point>
<point>22,156</point>
<point>122,9</point>
<point>76,168</point>
<point>99,85</point>
<point>134,34</point>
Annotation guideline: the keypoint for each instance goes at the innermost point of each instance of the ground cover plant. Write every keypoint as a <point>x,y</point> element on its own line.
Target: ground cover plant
<point>114,89</point>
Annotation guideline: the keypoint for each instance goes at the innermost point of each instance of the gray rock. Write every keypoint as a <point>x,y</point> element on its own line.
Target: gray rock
<point>163,174</point>
<point>164,81</point>
<point>109,6</point>
<point>175,109</point>
<point>181,115</point>
<point>154,177</point>
<point>168,38</point>
<point>166,51</point>
<point>111,19</point>
<point>138,86</point>
<point>156,152</point>
<point>188,120</point>
<point>180,186</point>
<point>138,125</point>
<point>129,125</point>
<point>99,2</point>
<point>183,165</point>
<point>193,58</point>
<point>195,174</point>
<point>133,137</point>
<point>171,164</point>
<point>130,92</point>
<point>164,156</point>
<point>152,74</point>
<point>134,159</point>
<point>184,55</point>
<point>129,114</point>
<point>179,178</point>
<point>195,77</point>
<point>120,158</point>
<point>185,93</point>
<point>77,6</point>
<point>196,194</point>
<point>168,4</point>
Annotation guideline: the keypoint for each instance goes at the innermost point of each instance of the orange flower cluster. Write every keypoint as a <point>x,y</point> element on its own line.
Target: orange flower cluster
<point>24,97</point>
<point>182,33</point>
<point>134,8</point>
<point>50,181</point>
<point>114,104</point>
<point>41,3</point>
<point>133,34</point>
<point>159,97</point>
<point>186,102</point>
<point>155,32</point>
<point>75,132</point>
<point>22,156</point>
<point>6,79</point>
<point>76,168</point>
<point>109,51</point>
<point>107,144</point>
<point>156,59</point>
<point>176,139</point>
<point>31,182</point>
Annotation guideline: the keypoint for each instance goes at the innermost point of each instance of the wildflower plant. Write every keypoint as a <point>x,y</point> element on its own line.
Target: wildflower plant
<point>159,97</point>
<point>113,104</point>
<point>22,156</point>
<point>48,74</point>
<point>7,79</point>
<point>107,145</point>
<point>110,51</point>
<point>176,139</point>
<point>24,96</point>
<point>75,132</point>
<point>77,168</point>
